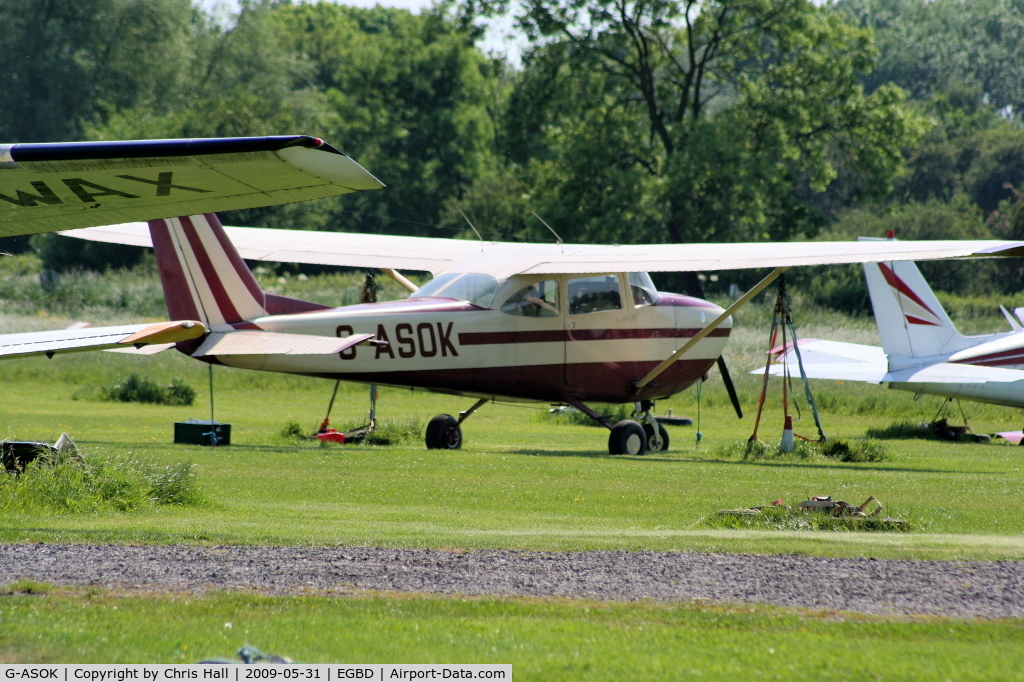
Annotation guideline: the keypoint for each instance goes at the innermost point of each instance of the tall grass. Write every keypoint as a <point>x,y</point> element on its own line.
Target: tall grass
<point>67,483</point>
<point>136,389</point>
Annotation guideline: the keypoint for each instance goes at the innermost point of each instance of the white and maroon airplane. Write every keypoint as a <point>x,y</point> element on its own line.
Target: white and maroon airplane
<point>555,323</point>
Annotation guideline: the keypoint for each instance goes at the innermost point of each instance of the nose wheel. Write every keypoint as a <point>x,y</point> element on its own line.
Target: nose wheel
<point>657,437</point>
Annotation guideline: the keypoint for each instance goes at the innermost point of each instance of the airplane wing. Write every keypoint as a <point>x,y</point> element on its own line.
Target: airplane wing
<point>130,336</point>
<point>61,186</point>
<point>319,248</point>
<point>506,258</point>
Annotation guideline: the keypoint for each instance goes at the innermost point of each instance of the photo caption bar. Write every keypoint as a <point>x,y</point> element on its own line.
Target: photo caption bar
<point>237,672</point>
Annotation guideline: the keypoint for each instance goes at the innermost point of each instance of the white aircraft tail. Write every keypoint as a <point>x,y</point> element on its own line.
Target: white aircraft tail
<point>911,321</point>
<point>202,274</point>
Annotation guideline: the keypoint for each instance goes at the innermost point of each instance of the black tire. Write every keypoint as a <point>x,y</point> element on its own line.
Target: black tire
<point>649,431</point>
<point>627,438</point>
<point>444,433</point>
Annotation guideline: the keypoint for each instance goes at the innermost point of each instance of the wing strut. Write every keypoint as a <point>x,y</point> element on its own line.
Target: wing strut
<point>715,324</point>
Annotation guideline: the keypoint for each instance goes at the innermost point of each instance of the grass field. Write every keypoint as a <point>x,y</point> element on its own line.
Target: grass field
<point>543,639</point>
<point>521,481</point>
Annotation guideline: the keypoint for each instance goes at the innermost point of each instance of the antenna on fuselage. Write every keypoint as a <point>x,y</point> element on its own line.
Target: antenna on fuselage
<point>557,238</point>
<point>471,226</point>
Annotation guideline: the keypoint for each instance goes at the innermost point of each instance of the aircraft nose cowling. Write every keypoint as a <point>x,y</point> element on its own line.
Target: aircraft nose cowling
<point>694,313</point>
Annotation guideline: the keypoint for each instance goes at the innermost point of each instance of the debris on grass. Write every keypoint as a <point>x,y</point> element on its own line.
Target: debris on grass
<point>250,655</point>
<point>818,513</point>
<point>384,432</point>
<point>939,429</point>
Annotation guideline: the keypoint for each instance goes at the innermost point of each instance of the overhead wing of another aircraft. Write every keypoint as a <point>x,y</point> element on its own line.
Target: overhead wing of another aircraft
<point>508,258</point>
<point>61,186</point>
<point>131,336</point>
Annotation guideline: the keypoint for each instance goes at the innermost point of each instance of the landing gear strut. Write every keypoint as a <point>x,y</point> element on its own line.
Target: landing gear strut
<point>631,436</point>
<point>444,432</point>
<point>657,436</point>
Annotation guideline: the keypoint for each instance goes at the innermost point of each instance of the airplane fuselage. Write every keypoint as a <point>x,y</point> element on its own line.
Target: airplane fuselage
<point>577,346</point>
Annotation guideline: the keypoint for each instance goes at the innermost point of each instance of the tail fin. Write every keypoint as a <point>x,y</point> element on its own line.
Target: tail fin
<point>911,321</point>
<point>202,274</point>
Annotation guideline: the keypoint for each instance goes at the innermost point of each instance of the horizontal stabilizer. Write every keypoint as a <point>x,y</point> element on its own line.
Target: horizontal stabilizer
<point>98,338</point>
<point>275,343</point>
<point>63,186</point>
<point>856,362</point>
<point>833,360</point>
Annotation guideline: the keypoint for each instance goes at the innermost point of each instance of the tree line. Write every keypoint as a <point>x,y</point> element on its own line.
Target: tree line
<point>644,121</point>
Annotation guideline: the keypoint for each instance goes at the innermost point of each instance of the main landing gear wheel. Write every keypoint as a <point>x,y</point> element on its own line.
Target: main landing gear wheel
<point>444,433</point>
<point>627,438</point>
<point>659,444</point>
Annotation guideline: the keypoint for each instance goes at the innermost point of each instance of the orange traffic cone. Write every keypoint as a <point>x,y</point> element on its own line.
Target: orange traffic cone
<point>787,444</point>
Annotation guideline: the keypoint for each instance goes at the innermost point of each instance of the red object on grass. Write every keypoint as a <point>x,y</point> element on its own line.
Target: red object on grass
<point>331,436</point>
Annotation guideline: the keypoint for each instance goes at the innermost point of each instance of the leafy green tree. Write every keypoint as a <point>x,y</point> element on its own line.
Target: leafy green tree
<point>408,93</point>
<point>705,115</point>
<point>68,64</point>
<point>927,45</point>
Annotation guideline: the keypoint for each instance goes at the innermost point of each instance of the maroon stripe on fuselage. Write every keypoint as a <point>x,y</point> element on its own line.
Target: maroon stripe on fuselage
<point>180,303</point>
<point>557,335</point>
<point>236,261</point>
<point>1002,361</point>
<point>1009,354</point>
<point>599,382</point>
<point>209,272</point>
<point>283,305</point>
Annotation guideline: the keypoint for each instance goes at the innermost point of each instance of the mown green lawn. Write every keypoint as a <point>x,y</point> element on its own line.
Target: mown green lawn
<point>542,639</point>
<point>521,481</point>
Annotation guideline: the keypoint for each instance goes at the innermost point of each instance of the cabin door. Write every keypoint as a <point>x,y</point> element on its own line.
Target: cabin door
<point>600,348</point>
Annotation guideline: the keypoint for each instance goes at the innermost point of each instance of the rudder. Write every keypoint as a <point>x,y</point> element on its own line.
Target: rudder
<point>911,321</point>
<point>203,276</point>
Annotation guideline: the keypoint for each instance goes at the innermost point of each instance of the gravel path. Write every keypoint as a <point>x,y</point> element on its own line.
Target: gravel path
<point>958,589</point>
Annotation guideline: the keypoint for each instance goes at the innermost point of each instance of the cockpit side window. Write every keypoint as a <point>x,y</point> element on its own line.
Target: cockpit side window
<point>643,289</point>
<point>594,294</point>
<point>539,299</point>
<point>476,288</point>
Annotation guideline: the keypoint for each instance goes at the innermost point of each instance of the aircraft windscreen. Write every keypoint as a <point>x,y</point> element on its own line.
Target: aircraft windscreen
<point>476,288</point>
<point>644,291</point>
